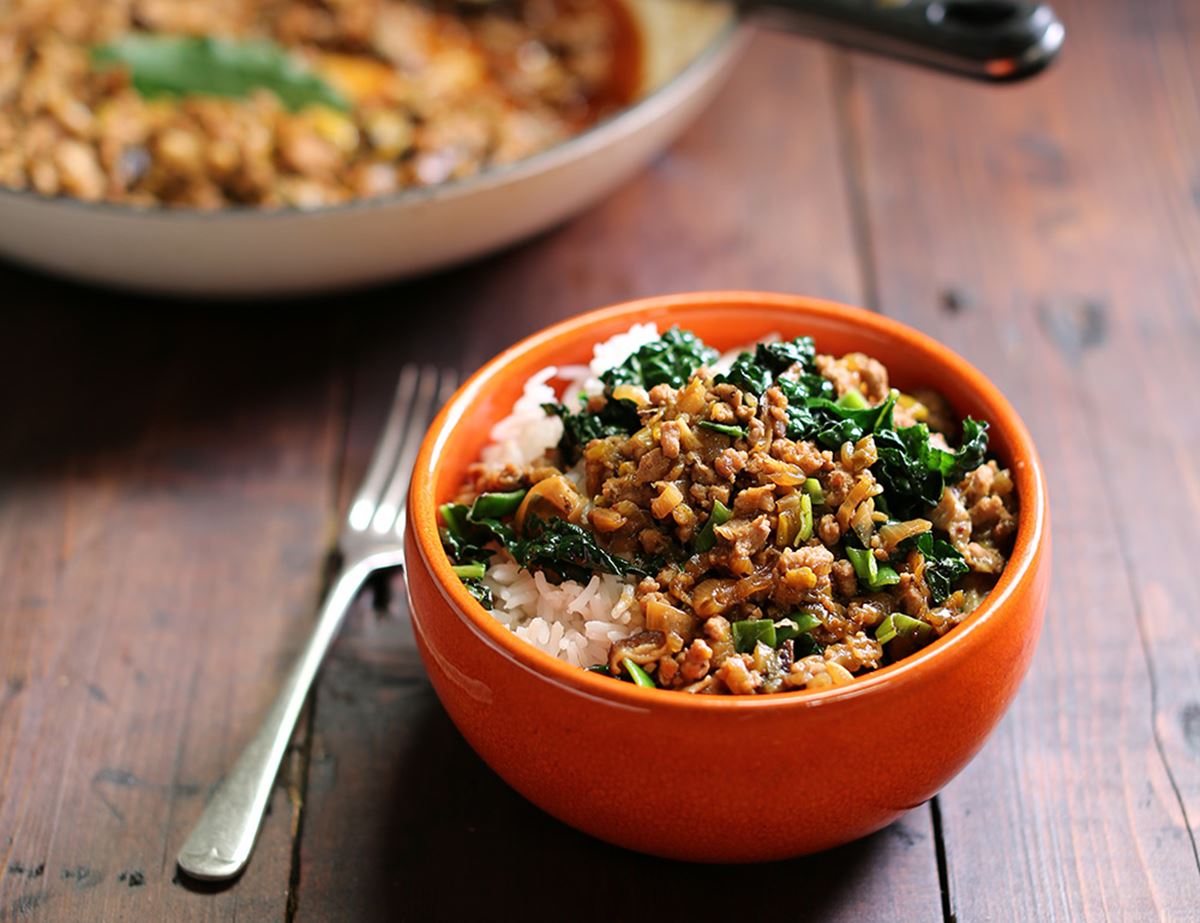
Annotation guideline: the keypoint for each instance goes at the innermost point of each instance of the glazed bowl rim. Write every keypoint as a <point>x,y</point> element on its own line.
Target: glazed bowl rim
<point>1017,576</point>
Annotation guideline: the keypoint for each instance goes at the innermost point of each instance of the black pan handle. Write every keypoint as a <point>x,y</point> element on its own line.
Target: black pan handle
<point>988,39</point>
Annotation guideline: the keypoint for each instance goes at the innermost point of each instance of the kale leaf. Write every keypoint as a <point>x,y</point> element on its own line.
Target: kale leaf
<point>781,356</point>
<point>757,371</point>
<point>747,375</point>
<point>615,418</point>
<point>943,564</point>
<point>670,360</point>
<point>913,472</point>
<point>480,591</point>
<point>566,551</point>
<point>831,424</point>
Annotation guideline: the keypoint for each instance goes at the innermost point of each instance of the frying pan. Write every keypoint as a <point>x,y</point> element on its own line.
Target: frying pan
<point>687,48</point>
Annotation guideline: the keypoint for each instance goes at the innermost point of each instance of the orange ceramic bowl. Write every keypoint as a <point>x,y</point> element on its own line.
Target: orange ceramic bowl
<point>724,778</point>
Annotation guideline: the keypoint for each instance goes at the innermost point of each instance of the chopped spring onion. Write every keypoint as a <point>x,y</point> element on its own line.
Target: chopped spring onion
<point>496,505</point>
<point>455,517</point>
<point>601,668</point>
<point>639,676</point>
<point>812,487</point>
<point>871,574</point>
<point>806,621</point>
<point>720,515</point>
<point>473,571</point>
<point>749,632</point>
<point>733,432</point>
<point>909,633</point>
<point>796,629</point>
<point>853,400</point>
<point>804,533</point>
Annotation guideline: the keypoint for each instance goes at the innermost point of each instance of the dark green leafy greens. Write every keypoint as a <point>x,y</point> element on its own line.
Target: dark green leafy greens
<point>184,65</point>
<point>913,471</point>
<point>669,360</point>
<point>943,564</point>
<point>615,418</point>
<point>566,551</point>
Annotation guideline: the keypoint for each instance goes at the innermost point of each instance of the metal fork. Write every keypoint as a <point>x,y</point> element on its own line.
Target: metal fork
<point>371,539</point>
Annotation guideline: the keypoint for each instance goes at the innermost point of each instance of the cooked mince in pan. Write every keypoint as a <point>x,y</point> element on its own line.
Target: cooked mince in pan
<point>304,103</point>
<point>773,521</point>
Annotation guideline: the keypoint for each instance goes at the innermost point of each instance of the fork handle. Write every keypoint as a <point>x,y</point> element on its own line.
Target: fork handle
<point>221,841</point>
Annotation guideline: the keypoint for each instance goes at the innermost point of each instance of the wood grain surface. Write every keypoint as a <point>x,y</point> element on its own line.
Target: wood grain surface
<point>171,476</point>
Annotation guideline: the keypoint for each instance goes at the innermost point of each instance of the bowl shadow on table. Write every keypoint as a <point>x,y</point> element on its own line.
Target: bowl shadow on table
<point>403,814</point>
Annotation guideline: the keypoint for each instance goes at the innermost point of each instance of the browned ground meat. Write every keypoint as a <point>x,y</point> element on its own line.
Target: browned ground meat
<point>793,510</point>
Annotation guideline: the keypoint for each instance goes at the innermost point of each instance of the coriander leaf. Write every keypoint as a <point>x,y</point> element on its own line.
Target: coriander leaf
<point>183,65</point>
<point>670,360</point>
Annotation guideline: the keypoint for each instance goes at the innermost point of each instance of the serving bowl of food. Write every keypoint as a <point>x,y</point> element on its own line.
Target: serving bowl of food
<point>249,148</point>
<point>727,576</point>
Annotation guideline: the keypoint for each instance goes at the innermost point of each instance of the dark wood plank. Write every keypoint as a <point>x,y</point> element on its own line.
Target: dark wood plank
<point>1050,232</point>
<point>167,480</point>
<point>401,819</point>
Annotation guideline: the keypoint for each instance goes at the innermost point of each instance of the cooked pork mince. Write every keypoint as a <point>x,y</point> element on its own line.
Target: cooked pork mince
<point>785,521</point>
<point>304,103</point>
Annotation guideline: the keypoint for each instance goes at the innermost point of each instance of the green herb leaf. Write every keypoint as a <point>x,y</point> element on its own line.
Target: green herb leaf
<point>781,356</point>
<point>733,432</point>
<point>747,375</point>
<point>943,564</point>
<point>639,676</point>
<point>480,591</point>
<point>707,538</point>
<point>615,418</point>
<point>913,472</point>
<point>566,551</point>
<point>183,65</point>
<point>670,360</point>
<point>749,632</point>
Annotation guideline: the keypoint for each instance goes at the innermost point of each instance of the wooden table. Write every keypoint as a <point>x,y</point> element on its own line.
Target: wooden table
<point>171,476</point>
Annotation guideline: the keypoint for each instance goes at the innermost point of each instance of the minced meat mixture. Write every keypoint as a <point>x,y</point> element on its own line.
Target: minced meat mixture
<point>303,103</point>
<point>789,524</point>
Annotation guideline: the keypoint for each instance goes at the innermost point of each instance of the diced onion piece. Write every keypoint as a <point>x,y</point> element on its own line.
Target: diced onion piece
<point>635,393</point>
<point>669,497</point>
<point>894,533</point>
<point>553,496</point>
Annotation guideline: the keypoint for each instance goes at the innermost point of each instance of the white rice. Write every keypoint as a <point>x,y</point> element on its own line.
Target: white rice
<point>574,622</point>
